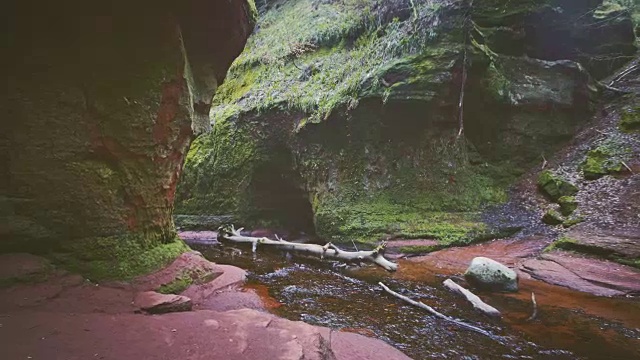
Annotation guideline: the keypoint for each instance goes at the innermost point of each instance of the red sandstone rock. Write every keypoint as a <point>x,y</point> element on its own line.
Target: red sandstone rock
<point>94,147</point>
<point>21,266</point>
<point>596,276</point>
<point>81,320</point>
<point>156,303</point>
<point>191,263</point>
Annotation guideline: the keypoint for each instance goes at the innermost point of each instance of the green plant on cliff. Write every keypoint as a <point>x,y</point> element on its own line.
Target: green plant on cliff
<point>442,203</point>
<point>118,257</point>
<point>317,56</point>
<point>607,157</point>
<point>232,153</point>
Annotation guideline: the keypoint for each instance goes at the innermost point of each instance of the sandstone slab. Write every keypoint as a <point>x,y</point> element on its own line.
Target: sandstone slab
<point>595,276</point>
<point>155,303</point>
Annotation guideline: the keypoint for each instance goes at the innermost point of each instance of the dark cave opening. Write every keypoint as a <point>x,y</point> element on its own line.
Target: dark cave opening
<point>278,197</point>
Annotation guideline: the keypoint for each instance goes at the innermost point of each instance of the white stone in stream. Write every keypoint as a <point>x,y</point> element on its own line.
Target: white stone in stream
<point>489,274</point>
<point>156,303</point>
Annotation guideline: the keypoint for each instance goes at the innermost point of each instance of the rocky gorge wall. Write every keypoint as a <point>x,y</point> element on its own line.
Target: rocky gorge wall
<point>103,102</point>
<point>341,117</point>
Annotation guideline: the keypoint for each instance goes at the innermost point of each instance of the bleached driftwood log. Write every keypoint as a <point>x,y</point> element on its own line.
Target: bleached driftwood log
<point>329,251</point>
<point>477,303</point>
<point>436,313</point>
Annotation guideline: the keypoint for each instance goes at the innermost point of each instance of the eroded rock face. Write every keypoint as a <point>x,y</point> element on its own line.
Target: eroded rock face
<point>357,129</point>
<point>103,103</point>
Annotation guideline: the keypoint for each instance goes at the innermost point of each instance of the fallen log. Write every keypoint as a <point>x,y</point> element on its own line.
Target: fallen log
<point>436,313</point>
<point>329,251</point>
<point>477,303</point>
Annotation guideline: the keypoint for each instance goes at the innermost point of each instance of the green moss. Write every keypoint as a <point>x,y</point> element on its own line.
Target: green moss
<point>599,162</point>
<point>564,243</point>
<point>568,205</point>
<point>497,84</point>
<point>217,171</point>
<point>497,12</point>
<point>554,186</point>
<point>118,257</point>
<point>185,279</point>
<point>317,57</point>
<point>419,249</point>
<point>630,120</point>
<point>573,220</point>
<point>552,217</point>
<point>176,286</point>
<point>448,216</point>
<point>635,262</point>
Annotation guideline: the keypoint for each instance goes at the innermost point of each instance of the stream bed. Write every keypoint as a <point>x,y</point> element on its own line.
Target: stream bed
<point>569,325</point>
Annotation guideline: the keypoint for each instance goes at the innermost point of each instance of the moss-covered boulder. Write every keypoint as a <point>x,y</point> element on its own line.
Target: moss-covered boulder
<point>552,217</point>
<point>342,117</point>
<point>598,163</point>
<point>630,120</point>
<point>103,102</point>
<point>572,220</point>
<point>568,205</point>
<point>555,186</point>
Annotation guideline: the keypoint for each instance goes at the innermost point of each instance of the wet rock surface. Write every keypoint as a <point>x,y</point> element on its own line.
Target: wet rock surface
<point>595,276</point>
<point>76,319</point>
<point>509,252</point>
<point>489,274</point>
<point>154,303</point>
<point>348,298</point>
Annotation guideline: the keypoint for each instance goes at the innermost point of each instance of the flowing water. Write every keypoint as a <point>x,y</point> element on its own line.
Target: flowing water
<point>569,325</point>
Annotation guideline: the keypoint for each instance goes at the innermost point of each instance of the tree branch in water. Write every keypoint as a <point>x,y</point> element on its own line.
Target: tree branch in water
<point>477,303</point>
<point>435,313</point>
<point>329,251</point>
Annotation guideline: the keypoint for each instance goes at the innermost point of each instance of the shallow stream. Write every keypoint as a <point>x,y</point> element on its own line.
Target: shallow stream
<point>569,325</point>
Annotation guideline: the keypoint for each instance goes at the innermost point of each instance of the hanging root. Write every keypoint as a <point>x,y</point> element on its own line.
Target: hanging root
<point>329,251</point>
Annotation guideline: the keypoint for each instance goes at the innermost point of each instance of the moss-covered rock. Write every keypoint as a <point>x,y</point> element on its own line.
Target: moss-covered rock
<point>568,205</point>
<point>598,163</point>
<point>630,120</point>
<point>573,220</point>
<point>554,186</point>
<point>552,217</point>
<point>117,257</point>
<point>356,111</point>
